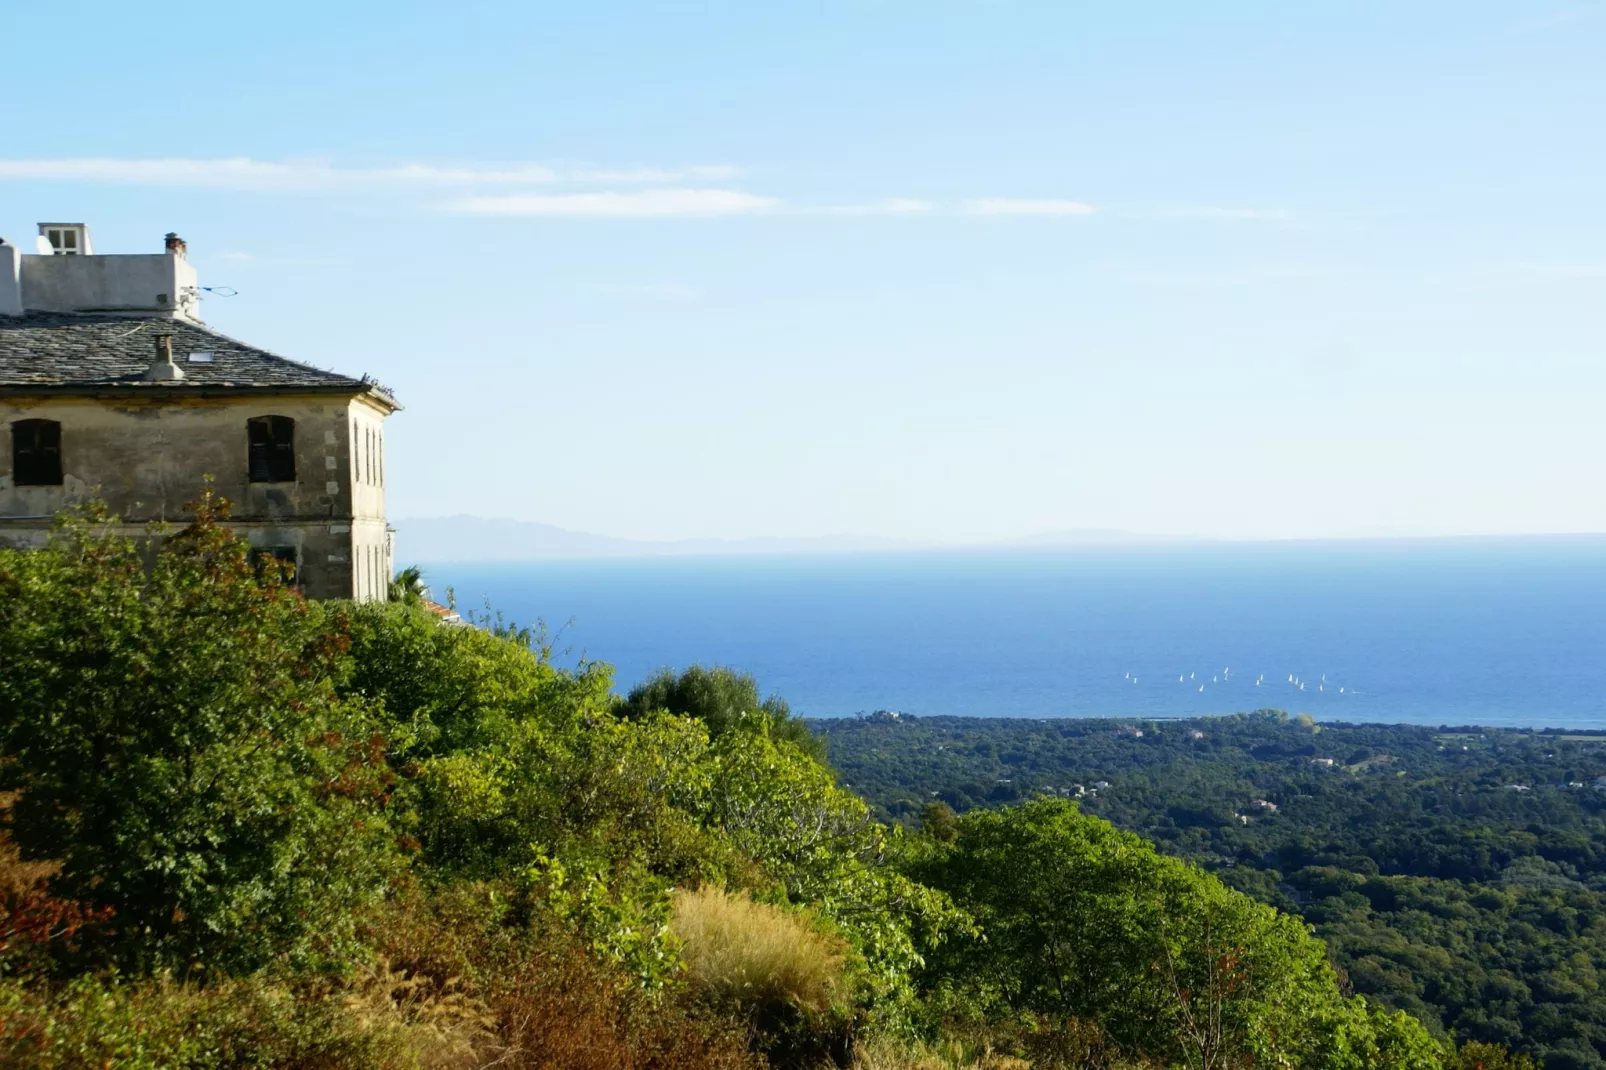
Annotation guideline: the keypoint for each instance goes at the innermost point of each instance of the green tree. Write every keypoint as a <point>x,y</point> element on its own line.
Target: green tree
<point>408,585</point>
<point>1474,1055</point>
<point>1081,921</point>
<point>180,749</point>
<point>721,698</point>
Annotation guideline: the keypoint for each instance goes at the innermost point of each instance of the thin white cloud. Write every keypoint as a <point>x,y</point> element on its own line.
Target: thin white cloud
<point>1555,270</point>
<point>242,173</point>
<point>1268,214</point>
<point>1013,206</point>
<point>235,173</point>
<point>670,291</point>
<point>702,173</point>
<point>643,204</point>
<point>474,189</point>
<point>1563,18</point>
<point>889,206</point>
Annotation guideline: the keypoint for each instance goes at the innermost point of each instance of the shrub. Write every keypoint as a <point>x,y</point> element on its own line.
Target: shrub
<point>554,1006</point>
<point>1474,1055</point>
<point>722,699</point>
<point>180,749</point>
<point>33,922</point>
<point>158,1024</point>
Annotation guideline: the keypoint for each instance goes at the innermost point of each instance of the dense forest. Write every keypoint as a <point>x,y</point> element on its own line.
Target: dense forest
<point>1458,874</point>
<point>242,829</point>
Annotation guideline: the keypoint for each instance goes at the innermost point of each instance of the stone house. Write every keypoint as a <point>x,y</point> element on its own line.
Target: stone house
<point>112,387</point>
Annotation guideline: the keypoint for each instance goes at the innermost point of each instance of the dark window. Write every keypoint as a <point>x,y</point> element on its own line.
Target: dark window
<point>280,559</point>
<point>36,453</point>
<point>273,449</point>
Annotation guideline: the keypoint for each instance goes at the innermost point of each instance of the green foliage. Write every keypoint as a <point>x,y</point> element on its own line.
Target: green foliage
<point>513,769</point>
<point>1440,889</point>
<point>785,811</point>
<point>408,586</point>
<point>1476,1055</point>
<point>722,699</point>
<point>361,838</point>
<point>180,750</point>
<point>1082,921</point>
<point>159,1024</point>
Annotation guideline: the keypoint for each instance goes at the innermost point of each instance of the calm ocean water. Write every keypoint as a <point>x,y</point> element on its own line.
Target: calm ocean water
<point>1500,632</point>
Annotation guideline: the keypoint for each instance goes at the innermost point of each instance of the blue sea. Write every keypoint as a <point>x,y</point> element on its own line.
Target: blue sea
<point>1452,632</point>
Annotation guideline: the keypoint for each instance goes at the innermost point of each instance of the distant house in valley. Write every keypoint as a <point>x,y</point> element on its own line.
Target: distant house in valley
<point>111,387</point>
<point>444,614</point>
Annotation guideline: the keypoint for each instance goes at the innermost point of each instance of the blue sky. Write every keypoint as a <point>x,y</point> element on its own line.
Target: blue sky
<point>952,270</point>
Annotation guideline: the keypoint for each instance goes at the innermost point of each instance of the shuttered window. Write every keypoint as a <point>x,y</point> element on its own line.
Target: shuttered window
<point>36,453</point>
<point>273,449</point>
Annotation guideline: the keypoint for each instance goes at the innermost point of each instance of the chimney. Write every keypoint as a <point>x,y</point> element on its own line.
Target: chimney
<point>10,279</point>
<point>176,246</point>
<point>162,369</point>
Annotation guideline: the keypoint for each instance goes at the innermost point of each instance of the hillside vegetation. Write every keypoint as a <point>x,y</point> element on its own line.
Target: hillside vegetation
<point>1458,875</point>
<point>246,830</point>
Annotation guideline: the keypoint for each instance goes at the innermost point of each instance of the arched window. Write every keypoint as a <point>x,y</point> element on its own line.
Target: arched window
<point>36,453</point>
<point>273,449</point>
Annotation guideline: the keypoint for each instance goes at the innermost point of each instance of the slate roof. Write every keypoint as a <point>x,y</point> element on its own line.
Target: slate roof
<point>63,352</point>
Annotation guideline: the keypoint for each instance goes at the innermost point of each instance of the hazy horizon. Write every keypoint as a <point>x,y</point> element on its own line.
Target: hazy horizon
<point>462,537</point>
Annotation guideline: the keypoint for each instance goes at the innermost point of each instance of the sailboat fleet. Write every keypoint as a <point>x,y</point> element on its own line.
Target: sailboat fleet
<point>1225,677</point>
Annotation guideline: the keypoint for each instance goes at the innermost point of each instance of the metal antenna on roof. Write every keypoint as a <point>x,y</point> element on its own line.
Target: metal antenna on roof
<point>221,291</point>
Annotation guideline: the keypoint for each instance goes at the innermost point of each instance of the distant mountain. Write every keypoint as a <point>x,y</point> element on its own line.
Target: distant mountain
<point>1098,537</point>
<point>473,538</point>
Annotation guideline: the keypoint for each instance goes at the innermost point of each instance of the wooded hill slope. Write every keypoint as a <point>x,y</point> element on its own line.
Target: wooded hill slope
<point>246,830</point>
<point>1457,874</point>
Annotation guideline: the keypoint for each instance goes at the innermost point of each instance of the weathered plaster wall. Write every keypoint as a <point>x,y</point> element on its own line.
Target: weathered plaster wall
<point>367,454</point>
<point>155,283</point>
<point>10,280</point>
<point>146,458</point>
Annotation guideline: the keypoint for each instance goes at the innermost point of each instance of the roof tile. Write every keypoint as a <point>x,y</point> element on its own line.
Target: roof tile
<point>67,350</point>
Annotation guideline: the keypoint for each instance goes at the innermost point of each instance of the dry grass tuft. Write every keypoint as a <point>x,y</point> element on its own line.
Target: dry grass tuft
<point>888,1054</point>
<point>444,1027</point>
<point>550,1005</point>
<point>744,953</point>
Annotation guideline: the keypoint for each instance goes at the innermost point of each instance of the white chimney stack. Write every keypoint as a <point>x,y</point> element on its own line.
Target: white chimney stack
<point>10,279</point>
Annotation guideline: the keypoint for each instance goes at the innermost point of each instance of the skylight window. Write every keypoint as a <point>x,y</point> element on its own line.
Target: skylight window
<point>200,356</point>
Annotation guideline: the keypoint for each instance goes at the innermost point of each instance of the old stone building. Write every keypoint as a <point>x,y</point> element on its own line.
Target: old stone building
<point>111,387</point>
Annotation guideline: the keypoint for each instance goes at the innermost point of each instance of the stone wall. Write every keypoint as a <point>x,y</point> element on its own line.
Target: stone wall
<point>147,458</point>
